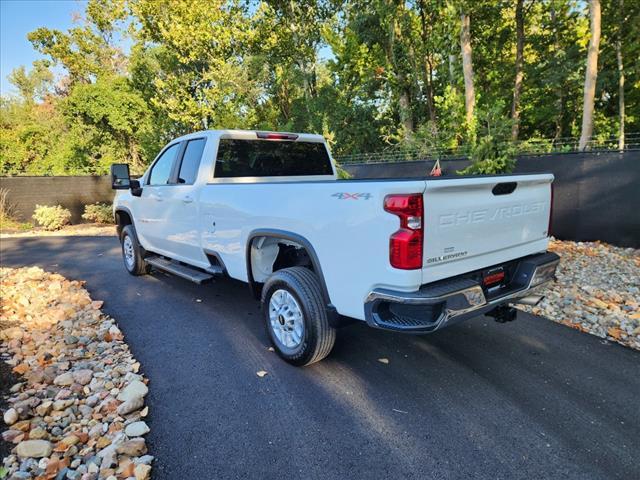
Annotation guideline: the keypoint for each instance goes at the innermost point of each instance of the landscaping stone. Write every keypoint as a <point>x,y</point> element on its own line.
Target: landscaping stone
<point>136,429</point>
<point>10,416</point>
<point>597,291</point>
<point>34,449</point>
<point>75,412</point>
<point>133,390</point>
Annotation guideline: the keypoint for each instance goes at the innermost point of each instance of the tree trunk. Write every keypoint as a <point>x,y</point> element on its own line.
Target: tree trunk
<point>591,75</point>
<point>620,77</point>
<point>404,97</point>
<point>452,70</point>
<point>517,88</point>
<point>428,77</point>
<point>558,53</point>
<point>467,67</point>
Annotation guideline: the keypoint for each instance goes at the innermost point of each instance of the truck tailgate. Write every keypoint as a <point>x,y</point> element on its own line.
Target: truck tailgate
<point>473,223</point>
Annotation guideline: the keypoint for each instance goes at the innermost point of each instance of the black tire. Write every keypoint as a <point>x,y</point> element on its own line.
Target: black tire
<point>318,336</point>
<point>137,266</point>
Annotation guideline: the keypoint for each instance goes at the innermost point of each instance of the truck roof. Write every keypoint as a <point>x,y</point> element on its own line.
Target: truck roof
<point>251,135</point>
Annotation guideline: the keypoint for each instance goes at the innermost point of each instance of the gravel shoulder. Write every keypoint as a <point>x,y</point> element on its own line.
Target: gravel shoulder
<point>597,291</point>
<point>77,410</point>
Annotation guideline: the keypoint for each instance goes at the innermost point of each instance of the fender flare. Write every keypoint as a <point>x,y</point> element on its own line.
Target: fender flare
<point>306,244</point>
<point>125,210</point>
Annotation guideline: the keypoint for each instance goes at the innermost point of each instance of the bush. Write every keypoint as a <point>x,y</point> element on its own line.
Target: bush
<point>342,173</point>
<point>51,218</point>
<point>491,149</point>
<point>489,157</point>
<point>98,213</point>
<point>7,213</point>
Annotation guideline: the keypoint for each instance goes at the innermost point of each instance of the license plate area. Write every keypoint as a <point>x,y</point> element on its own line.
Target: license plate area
<point>495,280</point>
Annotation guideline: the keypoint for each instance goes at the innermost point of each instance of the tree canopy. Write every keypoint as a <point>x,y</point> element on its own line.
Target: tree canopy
<point>368,74</point>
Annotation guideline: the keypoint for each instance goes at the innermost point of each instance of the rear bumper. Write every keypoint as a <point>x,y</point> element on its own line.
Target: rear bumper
<point>450,301</point>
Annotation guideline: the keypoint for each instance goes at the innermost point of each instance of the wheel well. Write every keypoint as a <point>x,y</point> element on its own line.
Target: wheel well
<point>272,250</point>
<point>122,219</point>
<point>269,254</point>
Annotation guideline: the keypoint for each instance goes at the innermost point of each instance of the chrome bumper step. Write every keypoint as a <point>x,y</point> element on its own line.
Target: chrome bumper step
<point>449,301</point>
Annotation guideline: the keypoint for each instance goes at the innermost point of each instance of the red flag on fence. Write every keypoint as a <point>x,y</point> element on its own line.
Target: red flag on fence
<point>436,171</point>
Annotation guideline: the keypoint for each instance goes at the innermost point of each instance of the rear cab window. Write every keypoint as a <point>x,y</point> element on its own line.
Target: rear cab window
<point>191,161</point>
<point>239,158</point>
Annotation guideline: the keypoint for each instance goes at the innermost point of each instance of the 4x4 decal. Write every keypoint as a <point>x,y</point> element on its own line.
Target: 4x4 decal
<point>352,196</point>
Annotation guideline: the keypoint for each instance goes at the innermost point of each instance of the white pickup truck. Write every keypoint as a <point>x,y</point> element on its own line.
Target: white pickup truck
<point>408,255</point>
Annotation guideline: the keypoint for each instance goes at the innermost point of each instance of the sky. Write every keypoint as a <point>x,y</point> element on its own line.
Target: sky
<point>18,18</point>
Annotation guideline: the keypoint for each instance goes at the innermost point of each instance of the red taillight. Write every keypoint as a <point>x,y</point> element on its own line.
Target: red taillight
<point>550,212</point>
<point>405,245</point>
<point>276,136</point>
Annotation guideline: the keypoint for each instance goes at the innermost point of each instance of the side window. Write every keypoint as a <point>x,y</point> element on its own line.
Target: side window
<point>161,171</point>
<point>191,161</point>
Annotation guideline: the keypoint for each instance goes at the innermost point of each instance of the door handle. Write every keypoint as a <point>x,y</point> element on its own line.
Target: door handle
<point>157,197</point>
<point>187,199</point>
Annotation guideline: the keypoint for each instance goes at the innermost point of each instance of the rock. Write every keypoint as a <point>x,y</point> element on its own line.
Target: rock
<point>136,429</point>
<point>102,443</point>
<point>21,476</point>
<point>10,416</point>
<point>142,471</point>
<point>129,406</point>
<point>134,447</point>
<point>38,434</point>
<point>83,377</point>
<point>10,435</point>
<point>34,449</point>
<point>44,408</point>
<point>146,459</point>
<point>133,390</point>
<point>63,379</point>
<point>79,380</point>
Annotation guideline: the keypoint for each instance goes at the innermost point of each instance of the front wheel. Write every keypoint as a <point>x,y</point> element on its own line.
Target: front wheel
<point>132,252</point>
<point>296,316</point>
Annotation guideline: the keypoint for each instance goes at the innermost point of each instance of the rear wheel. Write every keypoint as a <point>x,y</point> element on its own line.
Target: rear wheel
<point>296,316</point>
<point>132,252</point>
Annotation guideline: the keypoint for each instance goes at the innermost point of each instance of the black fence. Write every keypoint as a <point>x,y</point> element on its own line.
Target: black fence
<point>597,195</point>
<point>24,193</point>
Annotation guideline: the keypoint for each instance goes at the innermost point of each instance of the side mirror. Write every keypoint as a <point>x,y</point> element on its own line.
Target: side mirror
<point>120,176</point>
<point>136,189</point>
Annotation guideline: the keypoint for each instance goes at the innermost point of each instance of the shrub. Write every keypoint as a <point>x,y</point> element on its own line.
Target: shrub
<point>51,218</point>
<point>7,213</point>
<point>490,157</point>
<point>98,213</point>
<point>492,150</point>
<point>342,173</point>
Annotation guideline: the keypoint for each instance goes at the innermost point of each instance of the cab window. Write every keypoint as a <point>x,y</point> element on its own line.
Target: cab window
<point>161,171</point>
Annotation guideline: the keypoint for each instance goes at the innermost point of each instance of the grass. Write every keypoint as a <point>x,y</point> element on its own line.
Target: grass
<point>8,224</point>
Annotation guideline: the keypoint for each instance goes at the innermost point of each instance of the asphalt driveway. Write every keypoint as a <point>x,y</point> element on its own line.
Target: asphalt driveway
<point>528,399</point>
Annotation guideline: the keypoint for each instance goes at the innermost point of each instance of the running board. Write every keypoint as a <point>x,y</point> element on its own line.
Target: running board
<point>184,271</point>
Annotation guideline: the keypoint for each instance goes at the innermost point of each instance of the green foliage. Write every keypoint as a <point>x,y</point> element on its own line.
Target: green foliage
<point>7,222</point>
<point>51,218</point>
<point>366,74</point>
<point>491,150</point>
<point>342,173</point>
<point>107,120</point>
<point>98,213</point>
